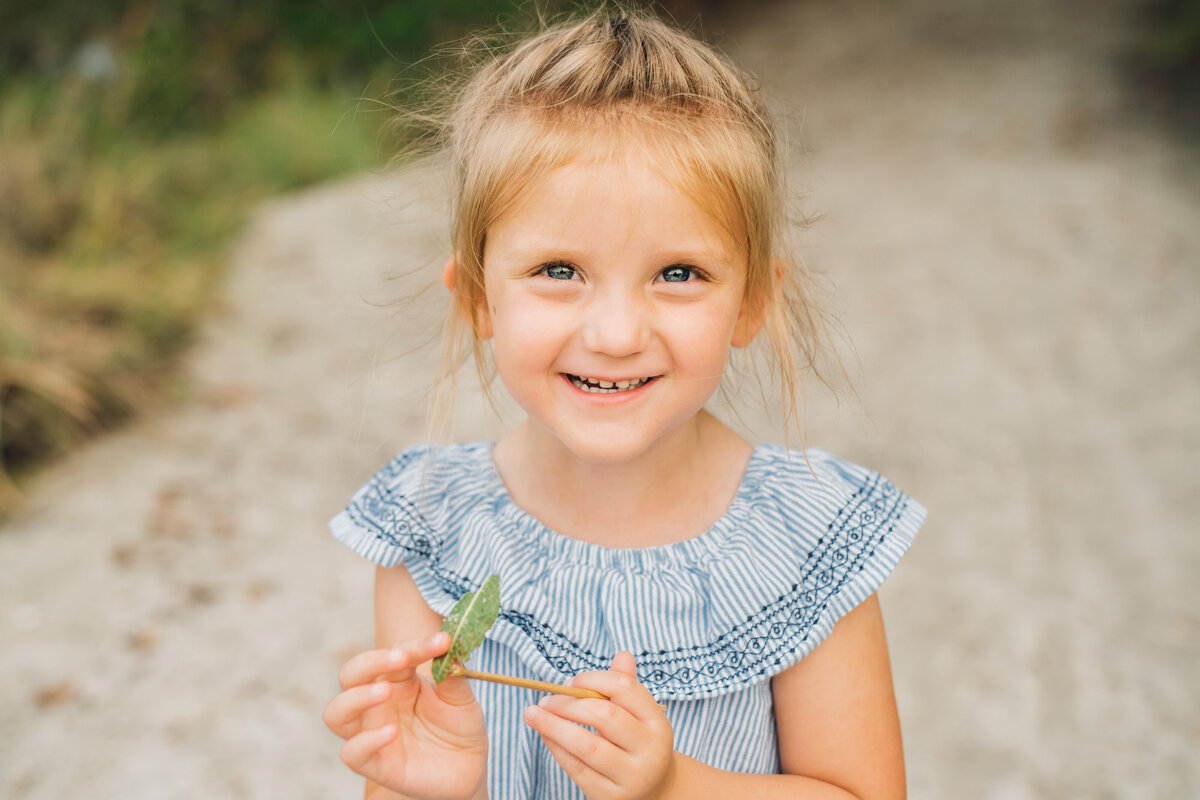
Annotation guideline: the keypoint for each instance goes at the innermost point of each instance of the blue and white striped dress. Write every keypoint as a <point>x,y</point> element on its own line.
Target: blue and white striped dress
<point>709,620</point>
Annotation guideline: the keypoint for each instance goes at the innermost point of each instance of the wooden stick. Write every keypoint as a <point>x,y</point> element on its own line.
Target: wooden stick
<point>459,671</point>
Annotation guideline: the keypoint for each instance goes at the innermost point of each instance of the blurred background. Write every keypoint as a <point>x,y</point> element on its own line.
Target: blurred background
<point>219,314</point>
<point>138,136</point>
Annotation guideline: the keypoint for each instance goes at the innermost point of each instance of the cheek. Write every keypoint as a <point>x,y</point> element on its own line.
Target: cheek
<point>524,337</point>
<point>702,336</point>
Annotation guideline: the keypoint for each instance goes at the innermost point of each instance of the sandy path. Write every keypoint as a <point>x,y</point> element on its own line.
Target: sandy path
<point>1016,260</point>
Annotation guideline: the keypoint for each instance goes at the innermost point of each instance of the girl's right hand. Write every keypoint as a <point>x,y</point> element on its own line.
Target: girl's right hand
<point>405,732</point>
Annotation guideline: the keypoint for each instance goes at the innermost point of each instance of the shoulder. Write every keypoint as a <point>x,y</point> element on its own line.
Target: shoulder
<point>425,468</point>
<point>815,490</point>
<point>435,511</point>
<point>407,506</point>
<point>844,525</point>
<point>812,467</point>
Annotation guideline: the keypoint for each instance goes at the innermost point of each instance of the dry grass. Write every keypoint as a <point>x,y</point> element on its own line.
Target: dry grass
<point>112,245</point>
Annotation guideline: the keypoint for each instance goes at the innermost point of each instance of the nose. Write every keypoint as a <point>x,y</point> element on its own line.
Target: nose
<point>616,324</point>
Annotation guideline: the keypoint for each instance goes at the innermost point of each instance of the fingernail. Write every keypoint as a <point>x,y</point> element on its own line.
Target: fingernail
<point>387,731</point>
<point>396,655</point>
<point>379,690</point>
<point>532,712</point>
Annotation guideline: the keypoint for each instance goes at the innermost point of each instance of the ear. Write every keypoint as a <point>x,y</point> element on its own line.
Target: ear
<point>480,317</point>
<point>752,315</point>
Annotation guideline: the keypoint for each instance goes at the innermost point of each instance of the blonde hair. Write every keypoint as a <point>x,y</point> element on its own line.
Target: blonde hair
<point>590,87</point>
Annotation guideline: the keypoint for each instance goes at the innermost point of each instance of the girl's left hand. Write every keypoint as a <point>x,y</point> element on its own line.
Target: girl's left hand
<point>630,757</point>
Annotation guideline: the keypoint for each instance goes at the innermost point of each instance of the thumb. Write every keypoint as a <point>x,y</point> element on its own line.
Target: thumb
<point>455,691</point>
<point>623,662</point>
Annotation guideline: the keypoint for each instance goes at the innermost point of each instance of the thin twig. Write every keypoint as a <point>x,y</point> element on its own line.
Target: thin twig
<point>459,671</point>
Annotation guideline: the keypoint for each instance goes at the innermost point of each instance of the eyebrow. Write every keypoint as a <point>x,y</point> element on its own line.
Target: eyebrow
<point>531,249</point>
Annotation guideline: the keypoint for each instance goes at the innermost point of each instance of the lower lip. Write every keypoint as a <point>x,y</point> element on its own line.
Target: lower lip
<point>608,397</point>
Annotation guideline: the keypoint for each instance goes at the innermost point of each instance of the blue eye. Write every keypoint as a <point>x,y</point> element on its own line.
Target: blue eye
<point>677,274</point>
<point>559,272</point>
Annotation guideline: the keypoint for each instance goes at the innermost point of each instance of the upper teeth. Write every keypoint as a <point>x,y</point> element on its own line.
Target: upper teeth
<point>601,385</point>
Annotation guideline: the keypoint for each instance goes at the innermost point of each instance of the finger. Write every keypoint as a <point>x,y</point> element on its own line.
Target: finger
<point>343,714</point>
<point>455,691</point>
<point>609,719</point>
<point>589,748</point>
<point>361,753</point>
<point>397,663</point>
<point>623,663</point>
<point>623,689</point>
<point>589,781</point>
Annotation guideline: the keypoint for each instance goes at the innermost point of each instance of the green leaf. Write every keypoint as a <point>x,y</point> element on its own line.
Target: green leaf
<point>467,623</point>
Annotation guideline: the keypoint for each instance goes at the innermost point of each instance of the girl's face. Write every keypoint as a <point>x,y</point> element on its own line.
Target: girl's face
<point>613,300</point>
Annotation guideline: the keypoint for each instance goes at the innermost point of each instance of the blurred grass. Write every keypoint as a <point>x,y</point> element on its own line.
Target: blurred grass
<point>113,248</point>
<point>1167,62</point>
<point>1173,43</point>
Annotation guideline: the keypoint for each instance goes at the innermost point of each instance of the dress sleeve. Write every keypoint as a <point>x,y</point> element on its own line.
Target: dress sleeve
<point>426,509</point>
<point>382,522</point>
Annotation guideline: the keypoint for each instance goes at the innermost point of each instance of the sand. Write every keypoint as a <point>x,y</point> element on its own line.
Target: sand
<point>1014,254</point>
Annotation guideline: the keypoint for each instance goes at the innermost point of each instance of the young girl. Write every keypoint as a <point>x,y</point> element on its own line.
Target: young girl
<point>618,209</point>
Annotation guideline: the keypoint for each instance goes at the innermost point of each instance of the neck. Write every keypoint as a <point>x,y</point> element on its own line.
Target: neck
<point>673,491</point>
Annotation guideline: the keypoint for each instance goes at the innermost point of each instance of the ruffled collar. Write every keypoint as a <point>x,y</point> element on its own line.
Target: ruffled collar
<point>797,549</point>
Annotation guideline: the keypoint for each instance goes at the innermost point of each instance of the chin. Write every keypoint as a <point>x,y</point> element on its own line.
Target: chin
<point>609,448</point>
<point>603,453</point>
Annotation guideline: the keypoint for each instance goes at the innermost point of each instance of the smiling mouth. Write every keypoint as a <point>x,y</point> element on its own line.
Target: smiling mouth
<point>601,386</point>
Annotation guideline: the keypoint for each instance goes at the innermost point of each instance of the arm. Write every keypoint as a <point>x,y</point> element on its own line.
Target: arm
<point>836,710</point>
<point>839,734</point>
<point>402,730</point>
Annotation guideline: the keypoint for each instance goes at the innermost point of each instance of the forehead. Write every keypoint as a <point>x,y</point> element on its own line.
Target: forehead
<point>605,206</point>
<point>674,150</point>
